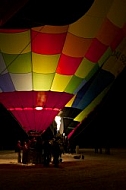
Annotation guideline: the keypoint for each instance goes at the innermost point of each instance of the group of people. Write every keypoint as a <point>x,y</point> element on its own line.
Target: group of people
<point>38,151</point>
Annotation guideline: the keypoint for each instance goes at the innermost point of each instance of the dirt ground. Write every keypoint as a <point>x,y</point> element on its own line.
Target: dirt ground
<point>94,172</point>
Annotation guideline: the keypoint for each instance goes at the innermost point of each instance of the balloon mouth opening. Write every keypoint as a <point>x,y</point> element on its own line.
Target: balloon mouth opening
<point>38,108</point>
<point>34,133</point>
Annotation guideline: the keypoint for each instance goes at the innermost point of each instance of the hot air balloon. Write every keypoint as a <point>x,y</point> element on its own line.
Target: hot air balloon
<point>66,70</point>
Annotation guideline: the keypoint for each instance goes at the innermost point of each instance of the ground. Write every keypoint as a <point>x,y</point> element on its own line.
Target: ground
<point>94,172</point>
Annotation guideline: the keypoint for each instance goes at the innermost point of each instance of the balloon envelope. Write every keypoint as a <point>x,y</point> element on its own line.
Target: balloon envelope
<point>68,68</point>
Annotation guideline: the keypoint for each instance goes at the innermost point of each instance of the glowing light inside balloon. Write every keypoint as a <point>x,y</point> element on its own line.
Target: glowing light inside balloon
<point>38,108</point>
<point>41,99</point>
<point>58,122</point>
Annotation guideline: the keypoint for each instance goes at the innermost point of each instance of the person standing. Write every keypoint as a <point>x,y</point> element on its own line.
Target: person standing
<point>56,153</point>
<point>18,150</point>
<point>25,153</point>
<point>47,152</point>
<point>38,150</point>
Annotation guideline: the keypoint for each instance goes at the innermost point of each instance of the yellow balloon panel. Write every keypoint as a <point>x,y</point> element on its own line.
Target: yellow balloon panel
<point>117,13</point>
<point>44,64</point>
<point>80,28</point>
<point>60,82</point>
<point>15,43</point>
<point>18,63</point>
<point>88,25</point>
<point>84,68</point>
<point>99,9</point>
<point>42,82</point>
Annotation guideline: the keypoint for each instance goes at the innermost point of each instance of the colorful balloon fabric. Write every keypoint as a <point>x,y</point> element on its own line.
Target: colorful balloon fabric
<point>65,70</point>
